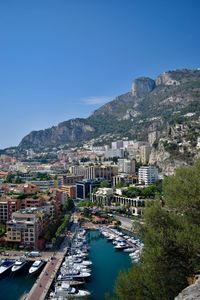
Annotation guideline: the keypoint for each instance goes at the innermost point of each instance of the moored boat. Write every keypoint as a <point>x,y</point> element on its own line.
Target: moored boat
<point>36,266</point>
<point>73,275</point>
<point>19,264</point>
<point>6,265</point>
<point>121,245</point>
<point>63,289</point>
<point>129,250</point>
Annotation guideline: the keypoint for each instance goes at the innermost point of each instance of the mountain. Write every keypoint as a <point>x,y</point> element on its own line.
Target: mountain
<point>151,106</point>
<point>68,132</point>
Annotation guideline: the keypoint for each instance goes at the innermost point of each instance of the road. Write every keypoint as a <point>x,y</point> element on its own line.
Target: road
<point>126,223</point>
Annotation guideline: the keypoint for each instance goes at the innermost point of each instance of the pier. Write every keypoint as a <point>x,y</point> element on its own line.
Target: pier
<point>43,283</point>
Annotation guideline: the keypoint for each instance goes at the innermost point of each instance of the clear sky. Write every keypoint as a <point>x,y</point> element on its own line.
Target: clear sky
<point>61,59</point>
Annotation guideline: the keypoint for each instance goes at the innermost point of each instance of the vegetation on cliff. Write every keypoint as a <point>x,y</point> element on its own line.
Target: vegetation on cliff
<point>149,106</point>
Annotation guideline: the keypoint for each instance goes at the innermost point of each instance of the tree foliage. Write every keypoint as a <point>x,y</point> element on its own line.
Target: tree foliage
<point>171,237</point>
<point>68,205</point>
<point>146,192</point>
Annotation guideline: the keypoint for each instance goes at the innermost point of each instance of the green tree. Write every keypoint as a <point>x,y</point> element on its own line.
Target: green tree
<point>171,237</point>
<point>18,180</point>
<point>182,192</point>
<point>104,184</point>
<point>10,178</point>
<point>68,205</point>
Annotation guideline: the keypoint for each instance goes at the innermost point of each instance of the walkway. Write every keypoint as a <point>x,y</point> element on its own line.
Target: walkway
<point>42,285</point>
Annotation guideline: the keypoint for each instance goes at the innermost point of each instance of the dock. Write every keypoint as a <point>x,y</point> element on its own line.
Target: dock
<point>43,283</point>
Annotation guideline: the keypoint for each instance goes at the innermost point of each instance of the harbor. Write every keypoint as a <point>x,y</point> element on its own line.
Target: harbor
<point>81,265</point>
<point>94,254</point>
<point>37,288</point>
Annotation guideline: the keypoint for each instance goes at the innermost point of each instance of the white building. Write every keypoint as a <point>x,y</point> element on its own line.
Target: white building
<point>117,145</point>
<point>114,153</point>
<point>147,175</point>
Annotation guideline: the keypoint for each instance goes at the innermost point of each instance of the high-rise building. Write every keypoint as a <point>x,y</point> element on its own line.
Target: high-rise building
<point>98,171</point>
<point>145,151</point>
<point>147,175</point>
<point>114,153</point>
<point>117,145</point>
<point>25,227</point>
<point>126,166</point>
<point>84,188</point>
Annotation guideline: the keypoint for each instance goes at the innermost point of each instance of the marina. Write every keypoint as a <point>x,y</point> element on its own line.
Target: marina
<point>87,264</point>
<point>93,262</point>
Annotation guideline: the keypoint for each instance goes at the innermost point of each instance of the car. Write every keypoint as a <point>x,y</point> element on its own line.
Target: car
<point>34,254</point>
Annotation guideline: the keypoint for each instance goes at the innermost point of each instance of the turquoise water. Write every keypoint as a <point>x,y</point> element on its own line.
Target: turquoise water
<point>107,262</point>
<point>12,287</point>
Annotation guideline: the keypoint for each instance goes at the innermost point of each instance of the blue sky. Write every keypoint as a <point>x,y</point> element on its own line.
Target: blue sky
<point>61,59</point>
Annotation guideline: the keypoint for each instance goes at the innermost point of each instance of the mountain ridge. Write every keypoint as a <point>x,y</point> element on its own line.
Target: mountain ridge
<point>148,106</point>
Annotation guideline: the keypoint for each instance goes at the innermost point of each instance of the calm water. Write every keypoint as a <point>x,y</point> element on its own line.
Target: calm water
<point>107,262</point>
<point>12,287</point>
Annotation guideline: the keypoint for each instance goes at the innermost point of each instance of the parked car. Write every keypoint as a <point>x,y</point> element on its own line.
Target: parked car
<point>34,254</point>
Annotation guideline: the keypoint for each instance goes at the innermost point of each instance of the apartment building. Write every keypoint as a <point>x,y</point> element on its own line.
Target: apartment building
<point>26,226</point>
<point>11,204</point>
<point>126,166</point>
<point>70,179</point>
<point>145,152</point>
<point>7,207</point>
<point>70,190</point>
<point>97,171</point>
<point>147,175</point>
<point>44,185</point>
<point>124,179</point>
<point>114,153</point>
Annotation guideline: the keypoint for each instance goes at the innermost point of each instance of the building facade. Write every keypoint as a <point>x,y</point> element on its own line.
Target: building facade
<point>147,175</point>
<point>26,226</point>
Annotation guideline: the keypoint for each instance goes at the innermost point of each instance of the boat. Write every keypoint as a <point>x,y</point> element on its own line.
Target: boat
<point>74,282</point>
<point>63,289</point>
<point>2,261</point>
<point>73,274</point>
<point>111,237</point>
<point>36,266</point>
<point>121,245</point>
<point>19,264</point>
<point>78,261</point>
<point>79,268</point>
<point>6,265</point>
<point>76,266</point>
<point>129,250</point>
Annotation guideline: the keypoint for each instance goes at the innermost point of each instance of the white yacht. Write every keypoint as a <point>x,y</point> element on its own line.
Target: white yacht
<point>129,250</point>
<point>6,265</point>
<point>63,289</point>
<point>73,274</point>
<point>19,264</point>
<point>78,261</point>
<point>36,266</point>
<point>121,245</point>
<point>111,237</point>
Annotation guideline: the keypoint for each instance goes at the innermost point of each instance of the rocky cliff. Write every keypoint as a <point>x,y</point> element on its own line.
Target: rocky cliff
<point>170,105</point>
<point>192,292</point>
<point>142,86</point>
<point>69,132</point>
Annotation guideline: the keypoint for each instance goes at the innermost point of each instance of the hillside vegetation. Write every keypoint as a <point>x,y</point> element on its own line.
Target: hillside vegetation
<point>150,105</point>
